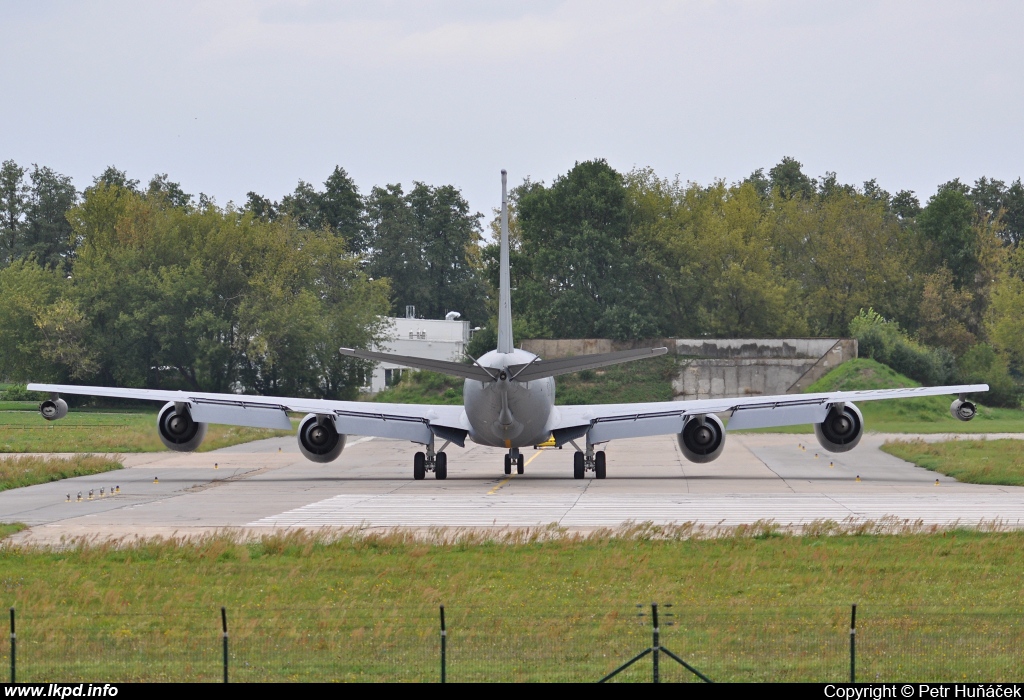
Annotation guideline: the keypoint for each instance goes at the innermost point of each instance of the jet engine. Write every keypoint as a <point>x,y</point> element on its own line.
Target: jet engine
<point>963,410</point>
<point>319,440</point>
<point>841,429</point>
<point>702,439</point>
<point>177,430</point>
<point>53,409</point>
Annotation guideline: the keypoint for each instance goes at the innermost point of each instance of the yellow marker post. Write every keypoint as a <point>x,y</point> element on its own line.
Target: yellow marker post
<point>156,479</point>
<point>858,477</point>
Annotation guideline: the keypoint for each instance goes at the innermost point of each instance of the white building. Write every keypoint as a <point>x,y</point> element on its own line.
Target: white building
<point>444,339</point>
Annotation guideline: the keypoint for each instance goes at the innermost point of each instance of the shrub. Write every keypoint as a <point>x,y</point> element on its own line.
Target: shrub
<point>886,342</point>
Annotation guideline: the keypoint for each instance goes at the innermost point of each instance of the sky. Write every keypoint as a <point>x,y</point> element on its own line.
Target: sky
<point>238,95</point>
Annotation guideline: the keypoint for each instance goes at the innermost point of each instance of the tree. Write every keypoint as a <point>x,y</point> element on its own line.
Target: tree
<point>947,221</point>
<point>426,242</point>
<point>171,192</point>
<point>48,234</point>
<point>13,203</point>
<point>789,181</point>
<point>585,279</point>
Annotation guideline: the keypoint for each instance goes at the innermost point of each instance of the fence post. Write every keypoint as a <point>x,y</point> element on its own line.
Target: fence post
<point>655,647</point>
<point>853,644</point>
<point>224,627</point>
<point>444,639</point>
<point>13,645</point>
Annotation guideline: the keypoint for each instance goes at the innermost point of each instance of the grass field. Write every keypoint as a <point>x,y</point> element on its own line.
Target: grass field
<point>973,461</point>
<point>105,431</point>
<point>931,607</point>
<point>29,470</point>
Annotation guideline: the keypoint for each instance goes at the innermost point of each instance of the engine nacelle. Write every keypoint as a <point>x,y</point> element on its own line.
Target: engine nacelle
<point>702,439</point>
<point>319,440</point>
<point>842,428</point>
<point>962,409</point>
<point>53,409</point>
<point>177,430</point>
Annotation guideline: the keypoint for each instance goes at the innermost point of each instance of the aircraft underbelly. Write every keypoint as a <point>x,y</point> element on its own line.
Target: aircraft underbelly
<point>518,419</point>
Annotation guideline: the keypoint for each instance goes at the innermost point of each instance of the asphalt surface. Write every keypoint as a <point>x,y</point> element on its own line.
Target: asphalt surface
<point>267,485</point>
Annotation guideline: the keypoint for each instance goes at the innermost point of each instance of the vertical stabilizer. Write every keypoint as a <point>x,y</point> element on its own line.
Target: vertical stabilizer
<point>504,291</point>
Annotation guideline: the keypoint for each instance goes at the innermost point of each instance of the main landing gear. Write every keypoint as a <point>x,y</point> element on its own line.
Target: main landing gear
<point>582,462</point>
<point>430,461</point>
<point>514,456</point>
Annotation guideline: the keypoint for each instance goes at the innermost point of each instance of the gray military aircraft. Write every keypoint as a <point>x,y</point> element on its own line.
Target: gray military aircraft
<point>509,402</point>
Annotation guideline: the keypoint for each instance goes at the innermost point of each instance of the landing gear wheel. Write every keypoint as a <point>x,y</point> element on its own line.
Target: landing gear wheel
<point>519,465</point>
<point>508,464</point>
<point>441,466</point>
<point>578,465</point>
<point>419,466</point>
<point>600,465</point>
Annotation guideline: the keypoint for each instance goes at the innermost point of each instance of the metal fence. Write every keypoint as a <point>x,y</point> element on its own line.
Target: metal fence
<point>392,644</point>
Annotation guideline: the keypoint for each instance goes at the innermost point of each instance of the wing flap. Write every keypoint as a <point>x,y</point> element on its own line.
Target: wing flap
<point>776,416</point>
<point>383,426</point>
<point>605,429</point>
<point>240,413</point>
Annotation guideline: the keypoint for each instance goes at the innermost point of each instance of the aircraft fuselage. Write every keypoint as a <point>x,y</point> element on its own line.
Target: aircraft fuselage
<point>507,413</point>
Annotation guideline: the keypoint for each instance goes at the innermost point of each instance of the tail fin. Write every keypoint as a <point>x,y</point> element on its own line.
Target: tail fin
<point>505,344</point>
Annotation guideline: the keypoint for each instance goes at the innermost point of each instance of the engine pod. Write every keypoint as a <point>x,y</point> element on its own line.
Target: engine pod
<point>702,438</point>
<point>53,409</point>
<point>319,439</point>
<point>842,428</point>
<point>177,430</point>
<point>964,410</point>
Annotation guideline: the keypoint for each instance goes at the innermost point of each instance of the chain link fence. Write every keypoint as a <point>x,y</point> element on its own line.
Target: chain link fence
<point>394,644</point>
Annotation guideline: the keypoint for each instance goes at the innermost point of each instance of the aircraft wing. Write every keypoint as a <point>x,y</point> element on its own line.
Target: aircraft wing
<point>414,422</point>
<point>604,422</point>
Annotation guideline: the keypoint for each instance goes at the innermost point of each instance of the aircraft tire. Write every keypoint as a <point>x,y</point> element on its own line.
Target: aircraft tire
<point>578,465</point>
<point>419,466</point>
<point>600,465</point>
<point>508,464</point>
<point>519,464</point>
<point>441,466</point>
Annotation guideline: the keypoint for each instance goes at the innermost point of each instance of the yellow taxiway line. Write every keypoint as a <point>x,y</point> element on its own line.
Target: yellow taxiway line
<point>509,478</point>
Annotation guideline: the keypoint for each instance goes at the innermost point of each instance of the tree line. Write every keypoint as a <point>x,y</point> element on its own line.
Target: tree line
<point>150,286</point>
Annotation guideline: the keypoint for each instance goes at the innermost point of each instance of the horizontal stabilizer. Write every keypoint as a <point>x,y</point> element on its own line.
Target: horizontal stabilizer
<point>539,369</point>
<point>454,369</point>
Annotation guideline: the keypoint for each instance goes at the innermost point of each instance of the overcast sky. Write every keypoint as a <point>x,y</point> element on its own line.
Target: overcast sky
<point>240,95</point>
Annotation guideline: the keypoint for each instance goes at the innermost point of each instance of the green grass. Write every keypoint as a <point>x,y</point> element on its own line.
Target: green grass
<point>931,607</point>
<point>8,529</point>
<point>104,431</point>
<point>973,461</point>
<point>919,415</point>
<point>16,472</point>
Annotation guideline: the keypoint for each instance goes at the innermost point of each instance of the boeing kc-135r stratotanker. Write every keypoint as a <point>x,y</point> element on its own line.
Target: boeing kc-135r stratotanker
<point>509,402</point>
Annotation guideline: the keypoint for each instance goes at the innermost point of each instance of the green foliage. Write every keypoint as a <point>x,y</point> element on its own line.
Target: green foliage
<point>421,386</point>
<point>632,382</point>
<point>426,242</point>
<point>983,365</point>
<point>886,342</point>
<point>578,269</point>
<point>18,392</point>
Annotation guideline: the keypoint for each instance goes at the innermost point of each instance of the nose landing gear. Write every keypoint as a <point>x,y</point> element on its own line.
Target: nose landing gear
<point>514,456</point>
<point>582,462</point>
